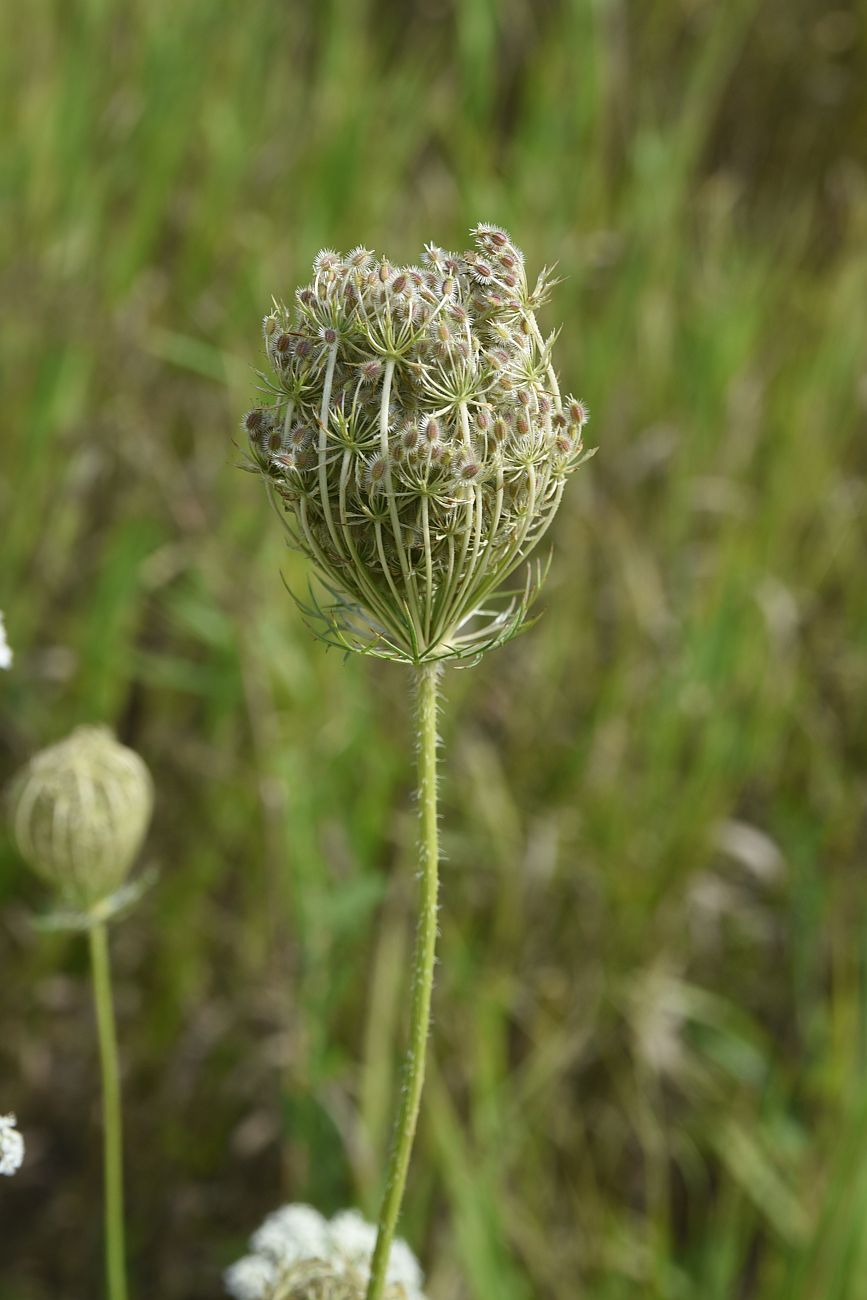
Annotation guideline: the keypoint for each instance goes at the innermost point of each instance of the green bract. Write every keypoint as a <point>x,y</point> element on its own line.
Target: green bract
<point>417,444</point>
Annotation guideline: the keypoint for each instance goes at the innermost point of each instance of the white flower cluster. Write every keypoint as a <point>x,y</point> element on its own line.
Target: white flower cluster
<point>5,648</point>
<point>297,1254</point>
<point>11,1146</point>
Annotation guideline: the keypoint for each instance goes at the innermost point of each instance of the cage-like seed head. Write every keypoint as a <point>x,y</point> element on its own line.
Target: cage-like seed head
<point>79,812</point>
<point>438,450</point>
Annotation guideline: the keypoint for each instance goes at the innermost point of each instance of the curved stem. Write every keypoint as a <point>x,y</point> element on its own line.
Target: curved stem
<point>111,1114</point>
<point>423,975</point>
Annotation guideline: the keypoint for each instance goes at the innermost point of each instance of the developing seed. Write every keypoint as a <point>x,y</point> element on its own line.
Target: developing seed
<point>578,412</point>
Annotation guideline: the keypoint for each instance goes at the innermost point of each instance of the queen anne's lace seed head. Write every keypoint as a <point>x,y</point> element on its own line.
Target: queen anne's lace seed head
<point>79,813</point>
<point>416,496</point>
<point>299,1255</point>
<point>11,1146</point>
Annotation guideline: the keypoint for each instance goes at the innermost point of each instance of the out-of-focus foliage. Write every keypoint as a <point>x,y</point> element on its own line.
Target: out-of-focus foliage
<point>648,1073</point>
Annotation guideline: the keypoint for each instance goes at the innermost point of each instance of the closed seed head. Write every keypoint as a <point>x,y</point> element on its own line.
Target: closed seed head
<point>79,812</point>
<point>443,458</point>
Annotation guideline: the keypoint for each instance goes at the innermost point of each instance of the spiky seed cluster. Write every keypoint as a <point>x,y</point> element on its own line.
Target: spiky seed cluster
<point>79,813</point>
<point>11,1146</point>
<point>299,1255</point>
<point>416,443</point>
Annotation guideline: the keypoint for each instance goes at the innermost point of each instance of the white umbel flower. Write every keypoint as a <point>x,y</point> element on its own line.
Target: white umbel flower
<point>5,648</point>
<point>404,1269</point>
<point>291,1234</point>
<point>251,1278</point>
<point>352,1239</point>
<point>297,1254</point>
<point>11,1146</point>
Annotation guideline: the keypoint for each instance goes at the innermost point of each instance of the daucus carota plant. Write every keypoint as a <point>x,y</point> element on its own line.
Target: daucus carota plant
<point>79,812</point>
<point>416,445</point>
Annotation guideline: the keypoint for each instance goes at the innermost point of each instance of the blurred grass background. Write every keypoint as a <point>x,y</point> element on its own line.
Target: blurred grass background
<point>649,1074</point>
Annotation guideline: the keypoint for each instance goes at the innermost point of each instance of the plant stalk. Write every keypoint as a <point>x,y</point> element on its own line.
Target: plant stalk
<point>115,1264</point>
<point>423,977</point>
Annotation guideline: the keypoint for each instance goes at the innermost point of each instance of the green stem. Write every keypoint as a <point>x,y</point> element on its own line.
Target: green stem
<point>111,1114</point>
<point>423,975</point>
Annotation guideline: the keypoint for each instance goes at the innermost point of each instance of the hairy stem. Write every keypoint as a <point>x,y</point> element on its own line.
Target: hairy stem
<point>111,1114</point>
<point>423,976</point>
